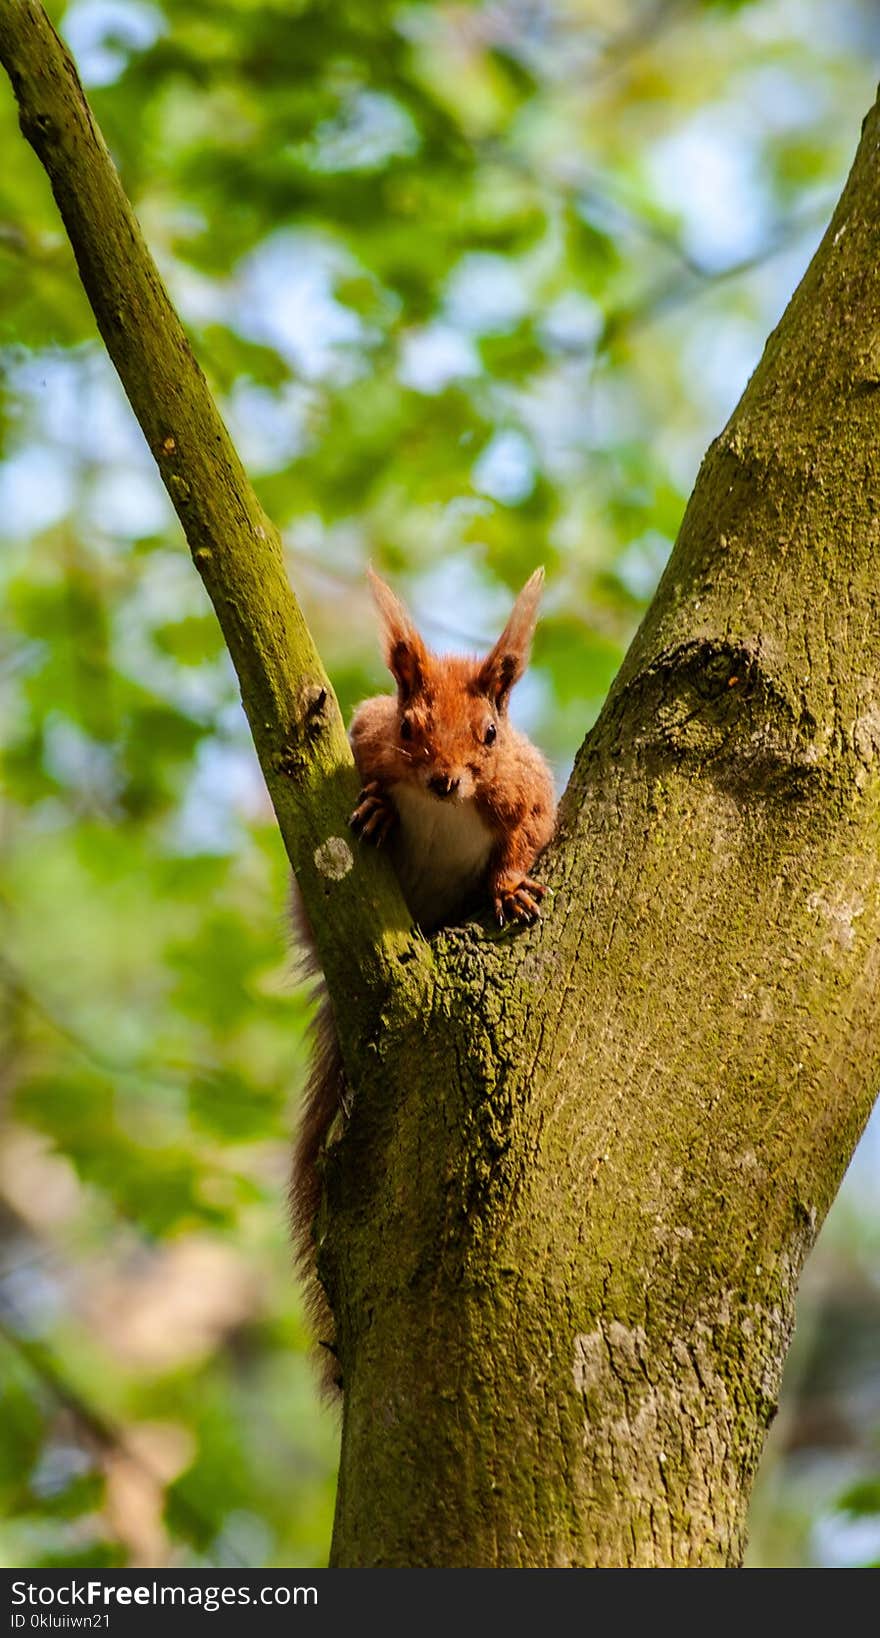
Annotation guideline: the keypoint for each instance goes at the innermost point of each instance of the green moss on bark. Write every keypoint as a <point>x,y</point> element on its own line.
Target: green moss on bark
<point>567,1290</point>
<point>564,1227</point>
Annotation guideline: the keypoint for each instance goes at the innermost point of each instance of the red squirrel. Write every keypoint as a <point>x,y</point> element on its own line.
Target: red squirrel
<point>464,803</point>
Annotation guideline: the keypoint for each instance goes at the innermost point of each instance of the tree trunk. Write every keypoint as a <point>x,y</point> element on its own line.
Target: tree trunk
<point>564,1238</point>
<point>564,1227</point>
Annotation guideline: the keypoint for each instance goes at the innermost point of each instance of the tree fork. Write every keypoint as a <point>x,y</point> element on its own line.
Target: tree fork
<point>564,1229</point>
<point>565,1253</point>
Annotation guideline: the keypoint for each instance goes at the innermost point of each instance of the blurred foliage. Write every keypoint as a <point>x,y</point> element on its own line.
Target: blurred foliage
<point>475,284</point>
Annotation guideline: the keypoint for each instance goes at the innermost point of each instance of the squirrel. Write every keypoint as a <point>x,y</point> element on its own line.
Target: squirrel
<point>464,804</point>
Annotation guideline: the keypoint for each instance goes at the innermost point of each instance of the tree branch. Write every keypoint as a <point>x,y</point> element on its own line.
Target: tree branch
<point>100,1434</point>
<point>597,1197</point>
<point>290,705</point>
<point>564,1243</point>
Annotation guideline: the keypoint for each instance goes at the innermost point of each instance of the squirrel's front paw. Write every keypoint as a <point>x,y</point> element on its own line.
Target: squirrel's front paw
<point>375,815</point>
<point>517,900</point>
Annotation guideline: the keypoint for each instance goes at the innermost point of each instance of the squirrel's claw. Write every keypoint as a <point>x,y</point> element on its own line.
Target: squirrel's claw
<point>520,903</point>
<point>374,820</point>
<point>375,814</point>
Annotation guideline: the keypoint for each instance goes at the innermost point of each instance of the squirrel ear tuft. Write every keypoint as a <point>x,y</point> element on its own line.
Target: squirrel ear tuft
<point>404,650</point>
<point>508,659</point>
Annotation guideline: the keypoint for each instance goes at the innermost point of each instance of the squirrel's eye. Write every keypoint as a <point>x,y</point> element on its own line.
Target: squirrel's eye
<point>490,734</point>
<point>406,729</point>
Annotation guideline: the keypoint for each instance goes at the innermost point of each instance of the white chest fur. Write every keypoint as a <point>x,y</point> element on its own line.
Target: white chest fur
<point>440,851</point>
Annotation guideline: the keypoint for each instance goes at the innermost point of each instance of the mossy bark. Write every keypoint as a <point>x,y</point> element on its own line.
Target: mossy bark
<point>564,1240</point>
<point>564,1227</point>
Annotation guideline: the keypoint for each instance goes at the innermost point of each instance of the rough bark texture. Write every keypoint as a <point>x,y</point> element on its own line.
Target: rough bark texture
<point>564,1228</point>
<point>564,1241</point>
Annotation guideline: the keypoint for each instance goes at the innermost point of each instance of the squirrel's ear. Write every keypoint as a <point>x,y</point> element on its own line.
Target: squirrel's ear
<point>405,653</point>
<point>506,663</point>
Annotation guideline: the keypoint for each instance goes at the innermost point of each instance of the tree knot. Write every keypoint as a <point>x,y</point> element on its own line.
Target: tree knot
<point>715,703</point>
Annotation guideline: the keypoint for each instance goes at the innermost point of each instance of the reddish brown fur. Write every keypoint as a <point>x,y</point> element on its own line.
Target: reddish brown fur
<point>500,794</point>
<point>448,702</point>
<point>324,1093</point>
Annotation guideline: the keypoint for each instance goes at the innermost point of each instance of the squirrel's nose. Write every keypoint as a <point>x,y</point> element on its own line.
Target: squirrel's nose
<point>442,785</point>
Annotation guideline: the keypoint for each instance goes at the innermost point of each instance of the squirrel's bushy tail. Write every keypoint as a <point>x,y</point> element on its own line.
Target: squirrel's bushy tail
<point>323,1099</point>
